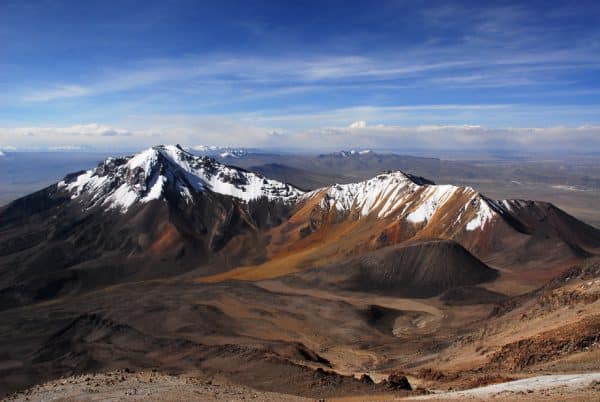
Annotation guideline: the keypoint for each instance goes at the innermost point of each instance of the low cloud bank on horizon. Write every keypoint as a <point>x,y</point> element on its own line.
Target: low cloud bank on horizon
<point>358,134</point>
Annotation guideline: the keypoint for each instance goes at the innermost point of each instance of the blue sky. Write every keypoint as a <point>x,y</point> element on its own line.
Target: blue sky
<point>299,74</point>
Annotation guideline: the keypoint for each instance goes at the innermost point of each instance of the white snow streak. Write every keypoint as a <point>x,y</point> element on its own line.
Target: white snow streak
<point>435,197</point>
<point>484,215</point>
<point>386,191</point>
<point>544,382</point>
<point>145,176</point>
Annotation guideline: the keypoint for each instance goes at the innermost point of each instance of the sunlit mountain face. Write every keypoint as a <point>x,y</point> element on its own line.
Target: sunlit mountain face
<point>292,201</point>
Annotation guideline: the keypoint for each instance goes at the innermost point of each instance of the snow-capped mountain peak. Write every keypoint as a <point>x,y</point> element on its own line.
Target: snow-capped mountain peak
<point>219,152</point>
<point>121,182</point>
<point>352,153</point>
<point>414,200</point>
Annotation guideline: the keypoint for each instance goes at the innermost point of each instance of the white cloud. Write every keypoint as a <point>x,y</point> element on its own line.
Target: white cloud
<point>427,65</point>
<point>83,130</point>
<point>58,138</point>
<point>358,124</point>
<point>7,148</point>
<point>449,137</point>
<point>58,92</point>
<point>146,131</point>
<point>65,148</point>
<point>230,131</point>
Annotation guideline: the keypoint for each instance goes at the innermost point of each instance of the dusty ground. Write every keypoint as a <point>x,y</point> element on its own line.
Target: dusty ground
<point>578,387</point>
<point>244,332</point>
<point>144,386</point>
<point>574,387</point>
<point>152,386</point>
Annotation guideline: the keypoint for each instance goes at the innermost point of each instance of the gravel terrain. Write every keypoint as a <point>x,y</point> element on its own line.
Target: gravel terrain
<point>143,386</point>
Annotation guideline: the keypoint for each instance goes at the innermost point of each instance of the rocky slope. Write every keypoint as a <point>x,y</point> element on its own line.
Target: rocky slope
<point>158,213</point>
<point>165,211</point>
<point>420,270</point>
<point>334,223</point>
<point>416,207</point>
<point>164,172</point>
<point>104,271</point>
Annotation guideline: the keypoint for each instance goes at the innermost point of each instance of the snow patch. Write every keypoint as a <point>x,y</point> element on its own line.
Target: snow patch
<point>122,198</point>
<point>483,215</point>
<point>156,189</point>
<point>544,382</point>
<point>566,188</point>
<point>435,197</point>
<point>383,193</point>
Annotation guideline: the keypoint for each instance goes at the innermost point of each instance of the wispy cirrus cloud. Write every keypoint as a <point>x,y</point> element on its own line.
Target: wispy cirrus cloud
<point>426,69</point>
<point>278,76</point>
<point>287,74</point>
<point>77,136</point>
<point>57,92</point>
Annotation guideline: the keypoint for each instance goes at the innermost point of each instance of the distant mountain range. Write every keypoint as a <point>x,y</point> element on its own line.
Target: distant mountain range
<point>220,152</point>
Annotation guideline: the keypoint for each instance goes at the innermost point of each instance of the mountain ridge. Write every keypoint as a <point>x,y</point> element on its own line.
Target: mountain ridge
<point>377,274</point>
<point>120,182</point>
<point>178,211</point>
